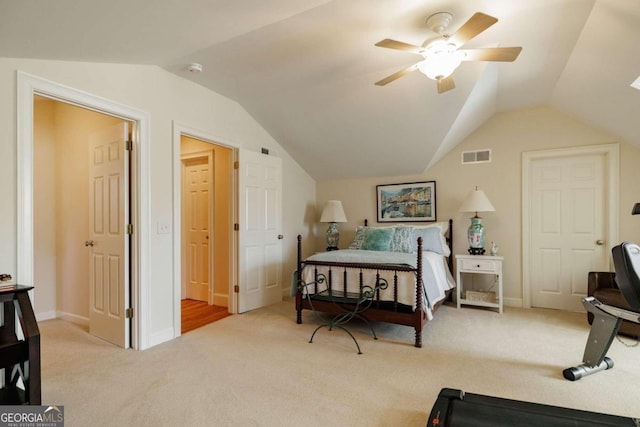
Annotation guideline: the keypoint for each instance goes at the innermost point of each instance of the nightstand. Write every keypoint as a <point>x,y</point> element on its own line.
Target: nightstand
<point>479,264</point>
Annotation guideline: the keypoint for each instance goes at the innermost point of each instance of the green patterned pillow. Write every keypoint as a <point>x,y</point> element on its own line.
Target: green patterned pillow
<point>358,239</point>
<point>378,239</point>
<point>402,240</point>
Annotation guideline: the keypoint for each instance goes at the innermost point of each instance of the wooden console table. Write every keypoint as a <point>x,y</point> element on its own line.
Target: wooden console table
<point>19,358</point>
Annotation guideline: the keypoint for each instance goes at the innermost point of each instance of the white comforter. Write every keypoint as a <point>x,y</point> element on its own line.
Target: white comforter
<point>435,273</point>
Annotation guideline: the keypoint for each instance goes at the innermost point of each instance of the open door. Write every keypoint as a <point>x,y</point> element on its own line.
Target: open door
<point>108,235</point>
<point>260,239</point>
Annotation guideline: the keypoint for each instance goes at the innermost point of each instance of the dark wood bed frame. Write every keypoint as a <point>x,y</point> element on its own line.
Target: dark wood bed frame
<point>381,311</point>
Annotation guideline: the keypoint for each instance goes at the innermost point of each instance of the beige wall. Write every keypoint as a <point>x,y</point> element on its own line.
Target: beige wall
<point>508,135</point>
<point>222,171</point>
<point>61,202</point>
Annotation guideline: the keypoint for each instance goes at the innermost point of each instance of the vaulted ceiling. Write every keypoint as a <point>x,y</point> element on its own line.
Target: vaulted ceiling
<point>305,69</point>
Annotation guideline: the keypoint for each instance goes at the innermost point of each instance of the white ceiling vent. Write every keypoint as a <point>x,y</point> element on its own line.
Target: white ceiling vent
<point>478,156</point>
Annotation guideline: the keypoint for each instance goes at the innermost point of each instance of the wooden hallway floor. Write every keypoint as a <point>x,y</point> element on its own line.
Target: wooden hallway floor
<point>196,314</point>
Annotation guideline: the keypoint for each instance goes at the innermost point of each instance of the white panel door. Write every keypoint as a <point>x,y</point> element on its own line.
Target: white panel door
<point>198,195</point>
<point>108,239</point>
<point>260,212</point>
<point>568,217</point>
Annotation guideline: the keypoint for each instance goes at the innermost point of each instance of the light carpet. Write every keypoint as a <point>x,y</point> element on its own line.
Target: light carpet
<point>258,369</point>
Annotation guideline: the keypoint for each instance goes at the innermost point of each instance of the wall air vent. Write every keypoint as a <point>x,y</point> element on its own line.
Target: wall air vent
<point>478,156</point>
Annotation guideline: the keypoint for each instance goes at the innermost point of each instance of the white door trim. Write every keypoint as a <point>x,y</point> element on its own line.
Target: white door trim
<point>611,151</point>
<point>180,129</point>
<point>28,86</point>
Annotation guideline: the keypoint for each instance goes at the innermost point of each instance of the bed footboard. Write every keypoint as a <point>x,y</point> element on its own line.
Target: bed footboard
<point>380,310</point>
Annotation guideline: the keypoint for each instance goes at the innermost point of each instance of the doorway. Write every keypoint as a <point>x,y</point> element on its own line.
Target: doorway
<point>255,265</point>
<point>570,199</point>
<point>69,242</point>
<point>206,231</point>
<point>29,85</point>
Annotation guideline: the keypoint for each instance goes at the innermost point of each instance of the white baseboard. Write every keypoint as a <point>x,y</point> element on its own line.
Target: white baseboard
<point>73,318</point>
<point>221,300</point>
<point>46,315</point>
<point>508,302</point>
<point>512,302</point>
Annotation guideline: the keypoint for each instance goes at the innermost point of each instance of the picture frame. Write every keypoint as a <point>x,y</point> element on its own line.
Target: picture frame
<point>406,202</point>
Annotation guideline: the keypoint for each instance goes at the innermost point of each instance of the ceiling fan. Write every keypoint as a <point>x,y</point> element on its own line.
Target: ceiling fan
<point>442,54</point>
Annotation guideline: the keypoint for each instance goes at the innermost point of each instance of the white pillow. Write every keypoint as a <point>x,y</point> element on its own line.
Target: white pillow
<point>432,238</point>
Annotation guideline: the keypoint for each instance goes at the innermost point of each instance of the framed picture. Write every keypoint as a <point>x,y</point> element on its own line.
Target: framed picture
<point>414,201</point>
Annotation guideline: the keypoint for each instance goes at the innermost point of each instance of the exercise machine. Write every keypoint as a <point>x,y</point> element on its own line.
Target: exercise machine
<point>607,318</point>
<point>457,408</point>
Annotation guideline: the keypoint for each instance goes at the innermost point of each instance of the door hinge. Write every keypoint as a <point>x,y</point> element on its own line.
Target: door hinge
<point>128,313</point>
<point>236,227</point>
<point>128,145</point>
<point>236,289</point>
<point>236,165</point>
<point>129,229</point>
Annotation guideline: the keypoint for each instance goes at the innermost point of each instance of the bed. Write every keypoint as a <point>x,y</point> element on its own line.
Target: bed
<point>409,275</point>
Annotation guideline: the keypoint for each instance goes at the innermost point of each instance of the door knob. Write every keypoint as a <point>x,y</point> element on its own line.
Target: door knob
<point>88,243</point>
<point>280,237</point>
<point>599,242</point>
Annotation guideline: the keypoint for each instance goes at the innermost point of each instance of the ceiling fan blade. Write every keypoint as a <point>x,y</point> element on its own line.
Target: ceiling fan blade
<point>397,75</point>
<point>445,84</point>
<point>474,26</point>
<point>501,54</point>
<point>394,44</point>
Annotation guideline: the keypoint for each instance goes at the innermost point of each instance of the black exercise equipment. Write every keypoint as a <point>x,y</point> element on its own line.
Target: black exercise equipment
<point>607,318</point>
<point>457,408</point>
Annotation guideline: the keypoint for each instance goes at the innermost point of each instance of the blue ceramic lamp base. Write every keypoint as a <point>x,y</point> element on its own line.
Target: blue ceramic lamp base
<point>333,237</point>
<point>476,236</point>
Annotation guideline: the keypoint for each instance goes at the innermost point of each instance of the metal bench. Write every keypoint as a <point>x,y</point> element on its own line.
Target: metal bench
<point>347,304</point>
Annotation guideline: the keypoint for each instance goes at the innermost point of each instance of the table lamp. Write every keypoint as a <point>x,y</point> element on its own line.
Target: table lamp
<point>476,202</point>
<point>333,213</point>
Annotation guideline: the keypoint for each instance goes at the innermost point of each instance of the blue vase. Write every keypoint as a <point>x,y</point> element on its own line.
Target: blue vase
<point>333,237</point>
<point>476,233</point>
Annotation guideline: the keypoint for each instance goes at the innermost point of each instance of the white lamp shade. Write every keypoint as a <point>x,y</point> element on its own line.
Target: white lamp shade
<point>477,201</point>
<point>333,212</point>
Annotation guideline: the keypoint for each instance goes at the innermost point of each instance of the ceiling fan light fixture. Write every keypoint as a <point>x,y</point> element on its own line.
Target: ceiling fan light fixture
<point>440,54</point>
<point>440,61</point>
